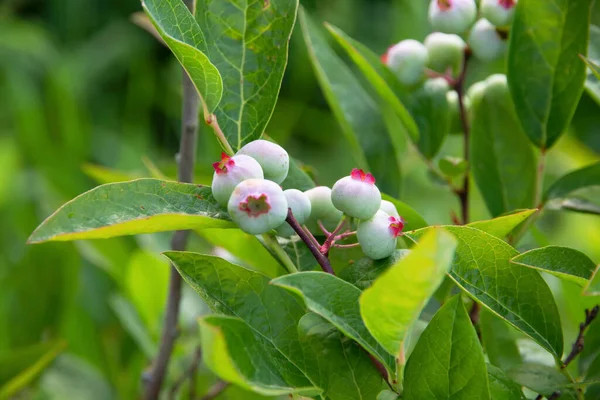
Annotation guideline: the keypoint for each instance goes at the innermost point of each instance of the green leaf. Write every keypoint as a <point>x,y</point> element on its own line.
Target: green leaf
<point>412,219</point>
<point>363,272</point>
<point>545,74</point>
<point>447,362</point>
<point>501,387</point>
<point>453,166</point>
<point>297,178</point>
<point>576,204</point>
<point>387,311</point>
<point>498,341</point>
<point>263,319</point>
<point>359,116</point>
<point>579,179</point>
<point>248,42</point>
<point>592,82</point>
<point>593,287</point>
<point>337,302</point>
<point>517,294</point>
<point>380,77</point>
<point>563,262</point>
<point>133,324</point>
<point>179,30</point>
<point>543,380</point>
<point>130,208</point>
<point>502,226</point>
<point>502,159</point>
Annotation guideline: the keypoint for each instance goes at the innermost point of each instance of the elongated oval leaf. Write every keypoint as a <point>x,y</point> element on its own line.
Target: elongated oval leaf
<point>593,287</point>
<point>395,300</point>
<point>501,387</point>
<point>179,30</point>
<point>543,380</point>
<point>130,208</point>
<point>447,362</point>
<point>248,42</point>
<point>502,158</point>
<point>579,179</point>
<point>503,225</point>
<point>563,262</point>
<point>545,74</point>
<point>337,302</point>
<point>482,268</point>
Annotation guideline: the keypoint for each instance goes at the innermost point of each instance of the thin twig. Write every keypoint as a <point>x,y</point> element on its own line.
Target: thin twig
<point>187,159</point>
<point>331,238</point>
<point>539,181</point>
<point>311,237</point>
<point>189,373</point>
<point>215,390</point>
<point>344,235</point>
<point>325,231</point>
<point>346,246</point>
<point>577,348</point>
<point>459,86</point>
<point>320,257</point>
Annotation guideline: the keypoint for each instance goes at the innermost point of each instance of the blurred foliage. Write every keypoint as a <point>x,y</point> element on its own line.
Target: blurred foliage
<point>88,97</point>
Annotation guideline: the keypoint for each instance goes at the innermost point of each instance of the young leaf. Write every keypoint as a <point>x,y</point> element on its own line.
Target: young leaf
<point>498,341</point>
<point>248,42</point>
<point>337,302</point>
<point>412,219</point>
<point>545,74</point>
<point>501,387</point>
<point>363,272</point>
<point>579,179</point>
<point>447,362</point>
<point>395,300</point>
<point>179,30</point>
<point>266,320</point>
<point>502,226</point>
<point>593,287</point>
<point>502,158</point>
<point>543,380</point>
<point>130,208</point>
<point>517,294</point>
<point>563,262</point>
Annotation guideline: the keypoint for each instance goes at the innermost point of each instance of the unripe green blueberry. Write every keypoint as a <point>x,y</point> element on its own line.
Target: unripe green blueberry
<point>300,205</point>
<point>378,236</point>
<point>389,208</point>
<point>356,195</point>
<point>408,60</point>
<point>445,51</point>
<point>454,106</point>
<point>322,209</point>
<point>485,42</point>
<point>257,206</point>
<point>498,12</point>
<point>475,93</point>
<point>273,159</point>
<point>496,85</point>
<point>452,16</point>
<point>229,172</point>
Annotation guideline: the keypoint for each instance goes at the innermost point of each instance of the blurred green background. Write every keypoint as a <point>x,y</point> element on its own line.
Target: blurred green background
<point>88,97</point>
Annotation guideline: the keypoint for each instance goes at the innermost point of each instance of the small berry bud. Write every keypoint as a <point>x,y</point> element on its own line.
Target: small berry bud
<point>322,209</point>
<point>498,12</point>
<point>273,159</point>
<point>389,208</point>
<point>356,195</point>
<point>452,16</point>
<point>229,172</point>
<point>446,51</point>
<point>408,60</point>
<point>378,236</point>
<point>485,41</point>
<point>257,206</point>
<point>300,205</point>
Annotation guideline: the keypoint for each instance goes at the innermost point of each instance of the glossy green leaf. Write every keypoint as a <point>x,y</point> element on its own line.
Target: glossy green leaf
<point>502,226</point>
<point>579,179</point>
<point>297,178</point>
<point>179,30</point>
<point>412,219</point>
<point>396,298</point>
<point>134,207</point>
<point>380,77</point>
<point>592,82</point>
<point>447,362</point>
<point>499,342</point>
<point>502,159</point>
<point>501,387</point>
<point>263,318</point>
<point>563,262</point>
<point>360,117</point>
<point>545,74</point>
<point>519,295</point>
<point>248,42</point>
<point>543,380</point>
<point>593,287</point>
<point>362,273</point>
<point>337,302</point>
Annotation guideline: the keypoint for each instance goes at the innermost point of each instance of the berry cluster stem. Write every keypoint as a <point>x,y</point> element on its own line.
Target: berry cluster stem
<point>459,86</point>
<point>321,258</point>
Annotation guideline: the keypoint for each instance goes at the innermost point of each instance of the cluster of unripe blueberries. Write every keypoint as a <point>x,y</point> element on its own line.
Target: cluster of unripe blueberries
<point>248,185</point>
<point>443,50</point>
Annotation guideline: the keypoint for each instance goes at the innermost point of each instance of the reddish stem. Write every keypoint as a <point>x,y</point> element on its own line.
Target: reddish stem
<point>316,252</point>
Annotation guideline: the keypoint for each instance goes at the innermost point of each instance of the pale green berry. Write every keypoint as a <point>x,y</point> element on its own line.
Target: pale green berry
<point>377,236</point>
<point>446,51</point>
<point>496,85</point>
<point>229,172</point>
<point>475,93</point>
<point>389,208</point>
<point>257,206</point>
<point>273,159</point>
<point>498,12</point>
<point>485,42</point>
<point>322,209</point>
<point>356,195</point>
<point>452,16</point>
<point>300,205</point>
<point>408,60</point>
<point>454,106</point>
